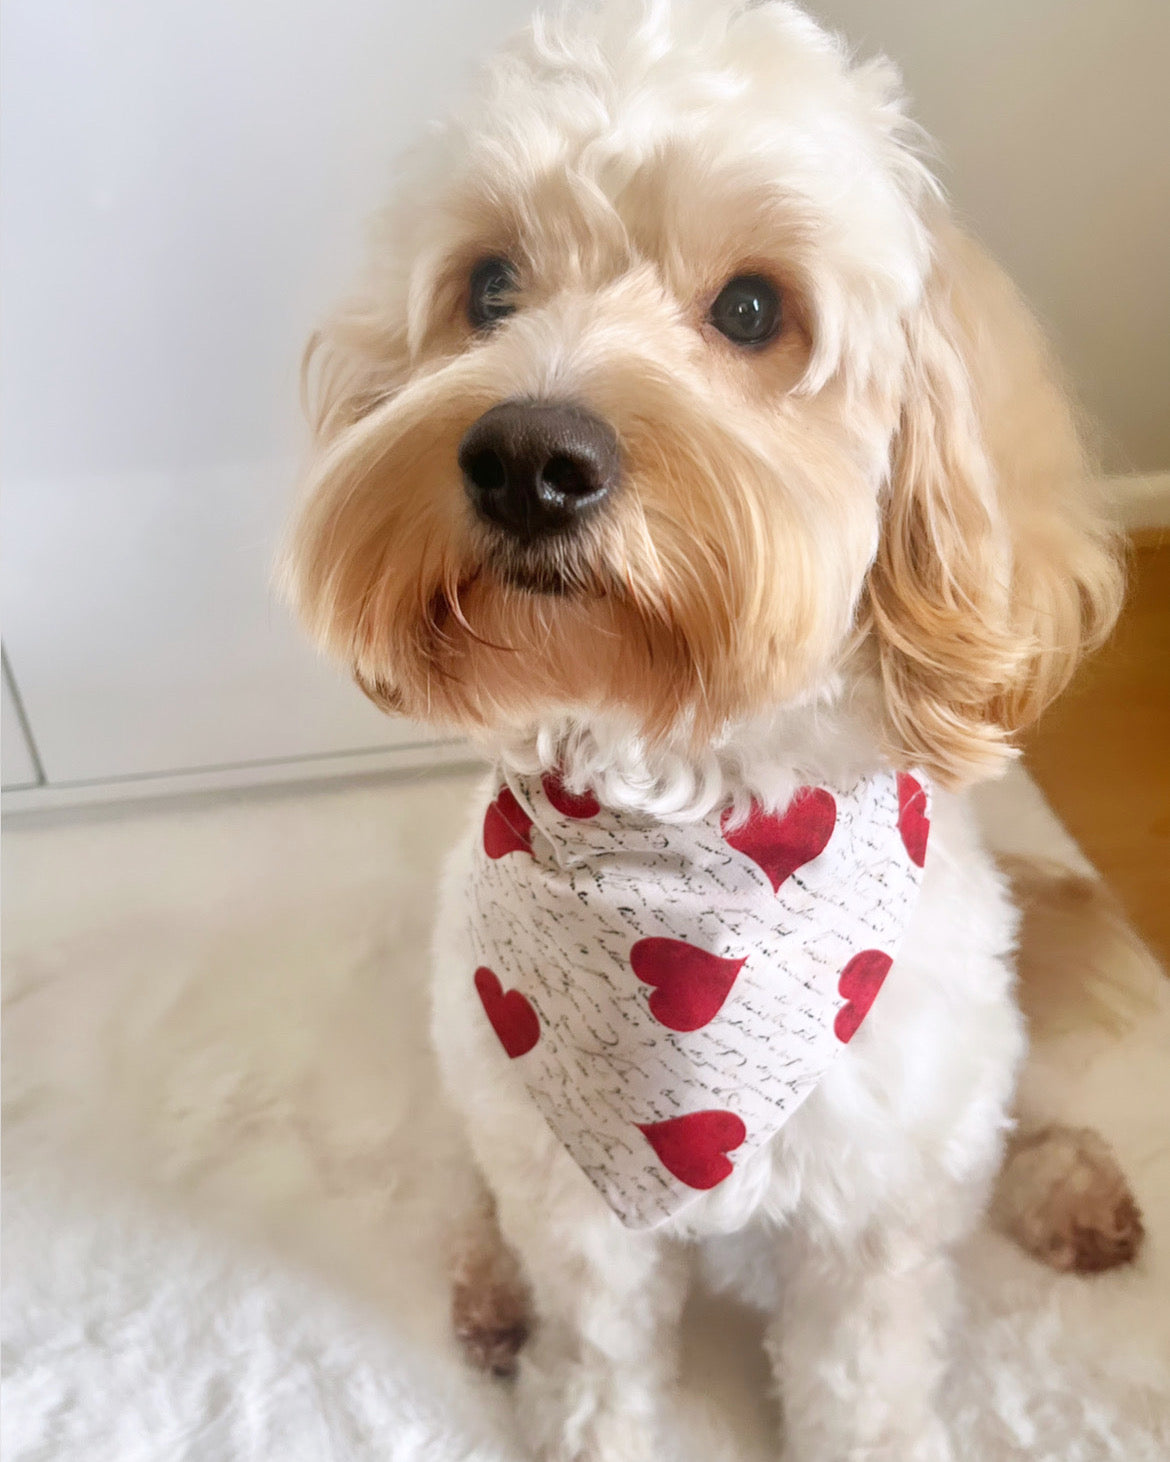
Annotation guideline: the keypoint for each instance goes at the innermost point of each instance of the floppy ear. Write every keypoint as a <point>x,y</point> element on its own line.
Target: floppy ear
<point>349,365</point>
<point>996,569</point>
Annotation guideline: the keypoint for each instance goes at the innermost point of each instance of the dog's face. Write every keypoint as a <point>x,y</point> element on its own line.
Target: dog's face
<point>620,422</point>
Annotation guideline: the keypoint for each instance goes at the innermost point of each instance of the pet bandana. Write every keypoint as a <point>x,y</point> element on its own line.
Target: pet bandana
<point>671,993</point>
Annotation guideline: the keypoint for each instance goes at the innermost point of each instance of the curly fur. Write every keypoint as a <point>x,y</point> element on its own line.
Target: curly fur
<point>870,542</point>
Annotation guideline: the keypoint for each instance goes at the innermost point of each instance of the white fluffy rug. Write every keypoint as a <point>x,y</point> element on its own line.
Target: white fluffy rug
<point>228,1176</point>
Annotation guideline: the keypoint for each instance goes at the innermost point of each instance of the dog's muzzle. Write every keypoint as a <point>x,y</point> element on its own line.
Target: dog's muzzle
<point>538,468</point>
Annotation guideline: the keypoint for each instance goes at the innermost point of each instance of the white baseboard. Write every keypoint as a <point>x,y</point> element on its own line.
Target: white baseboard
<point>397,760</point>
<point>1140,501</point>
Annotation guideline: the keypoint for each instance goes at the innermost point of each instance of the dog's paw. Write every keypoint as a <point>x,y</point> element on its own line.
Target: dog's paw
<point>489,1343</point>
<point>1064,1198</point>
<point>489,1308</point>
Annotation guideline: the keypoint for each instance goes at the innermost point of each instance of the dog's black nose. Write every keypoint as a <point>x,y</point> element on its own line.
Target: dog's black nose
<point>538,467</point>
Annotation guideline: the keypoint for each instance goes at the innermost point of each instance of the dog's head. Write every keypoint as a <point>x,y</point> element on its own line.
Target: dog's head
<point>673,393</point>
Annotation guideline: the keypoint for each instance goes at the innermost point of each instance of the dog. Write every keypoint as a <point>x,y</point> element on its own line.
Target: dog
<point>683,452</point>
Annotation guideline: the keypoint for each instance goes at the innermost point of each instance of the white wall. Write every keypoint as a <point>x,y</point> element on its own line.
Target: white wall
<point>184,189</point>
<point>184,183</point>
<point>1053,118</point>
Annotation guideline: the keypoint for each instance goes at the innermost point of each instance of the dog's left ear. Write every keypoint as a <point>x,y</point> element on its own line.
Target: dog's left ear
<point>996,569</point>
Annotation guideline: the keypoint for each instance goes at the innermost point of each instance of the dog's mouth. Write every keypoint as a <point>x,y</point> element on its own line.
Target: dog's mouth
<point>546,579</point>
<point>556,568</point>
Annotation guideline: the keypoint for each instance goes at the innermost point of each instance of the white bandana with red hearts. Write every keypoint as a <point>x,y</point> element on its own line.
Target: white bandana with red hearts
<point>671,993</point>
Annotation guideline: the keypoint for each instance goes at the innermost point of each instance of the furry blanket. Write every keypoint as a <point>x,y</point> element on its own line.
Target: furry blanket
<point>229,1179</point>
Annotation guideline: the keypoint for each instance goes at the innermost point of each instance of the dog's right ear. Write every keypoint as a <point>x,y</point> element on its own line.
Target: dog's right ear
<point>348,367</point>
<point>356,361</point>
<point>380,693</point>
<point>996,568</point>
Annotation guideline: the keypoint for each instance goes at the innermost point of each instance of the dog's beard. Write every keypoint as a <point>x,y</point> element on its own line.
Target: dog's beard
<point>559,567</point>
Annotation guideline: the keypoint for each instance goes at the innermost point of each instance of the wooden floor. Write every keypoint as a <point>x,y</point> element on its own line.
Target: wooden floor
<point>1102,753</point>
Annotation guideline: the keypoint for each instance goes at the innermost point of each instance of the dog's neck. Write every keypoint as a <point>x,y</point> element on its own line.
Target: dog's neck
<point>831,737</point>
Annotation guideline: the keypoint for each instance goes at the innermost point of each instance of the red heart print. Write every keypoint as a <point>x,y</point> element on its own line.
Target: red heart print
<point>691,983</point>
<point>780,843</point>
<point>511,1014</point>
<point>860,981</point>
<point>579,805</point>
<point>694,1147</point>
<point>507,828</point>
<point>913,823</point>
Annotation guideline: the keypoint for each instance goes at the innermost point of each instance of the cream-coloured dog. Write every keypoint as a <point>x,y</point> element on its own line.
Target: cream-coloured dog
<point>682,451</point>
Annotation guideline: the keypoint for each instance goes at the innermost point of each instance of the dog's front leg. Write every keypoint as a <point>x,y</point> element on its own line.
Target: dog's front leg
<point>606,1305</point>
<point>859,1347</point>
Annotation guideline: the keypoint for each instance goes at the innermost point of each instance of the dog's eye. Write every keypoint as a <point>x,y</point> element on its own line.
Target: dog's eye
<point>747,310</point>
<point>490,297</point>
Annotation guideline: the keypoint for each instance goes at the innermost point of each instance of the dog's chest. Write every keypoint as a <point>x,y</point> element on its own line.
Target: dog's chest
<point>670,993</point>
